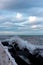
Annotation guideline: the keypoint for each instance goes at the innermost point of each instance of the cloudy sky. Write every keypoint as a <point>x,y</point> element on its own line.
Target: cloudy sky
<point>21,17</point>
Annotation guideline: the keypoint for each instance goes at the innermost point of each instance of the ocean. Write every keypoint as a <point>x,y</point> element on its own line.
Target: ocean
<point>27,53</point>
<point>34,39</point>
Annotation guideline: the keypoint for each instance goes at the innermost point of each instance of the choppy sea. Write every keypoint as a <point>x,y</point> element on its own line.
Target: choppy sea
<point>34,39</point>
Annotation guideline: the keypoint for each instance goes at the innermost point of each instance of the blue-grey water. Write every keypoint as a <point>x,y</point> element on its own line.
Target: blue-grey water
<point>4,37</point>
<point>35,39</point>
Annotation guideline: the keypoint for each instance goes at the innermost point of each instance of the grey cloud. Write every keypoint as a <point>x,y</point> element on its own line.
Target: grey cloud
<point>20,4</point>
<point>29,7</point>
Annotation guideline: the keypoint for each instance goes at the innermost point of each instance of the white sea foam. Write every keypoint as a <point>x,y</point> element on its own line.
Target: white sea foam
<point>25,44</point>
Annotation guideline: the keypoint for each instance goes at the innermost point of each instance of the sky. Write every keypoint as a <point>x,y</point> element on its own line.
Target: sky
<point>21,17</point>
